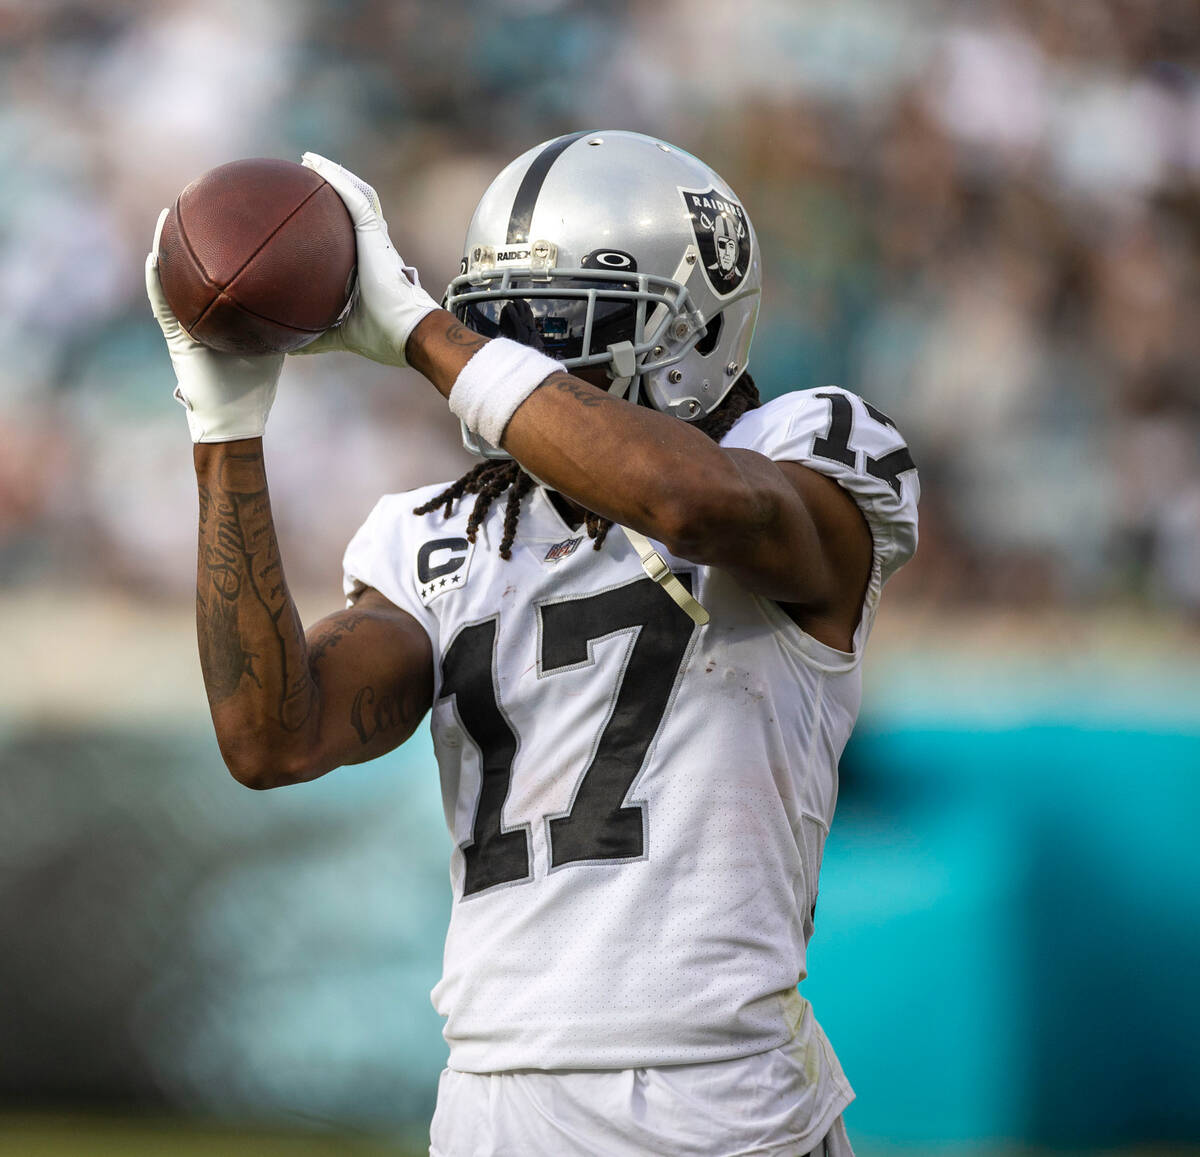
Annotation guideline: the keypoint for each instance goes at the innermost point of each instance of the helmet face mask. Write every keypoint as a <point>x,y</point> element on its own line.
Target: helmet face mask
<point>568,316</point>
<point>615,249</point>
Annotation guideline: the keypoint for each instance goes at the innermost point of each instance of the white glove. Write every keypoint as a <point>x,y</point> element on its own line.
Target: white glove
<point>389,301</point>
<point>227,396</point>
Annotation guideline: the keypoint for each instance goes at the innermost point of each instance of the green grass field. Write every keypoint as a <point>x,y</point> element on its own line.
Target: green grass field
<point>46,1135</point>
<point>51,1135</point>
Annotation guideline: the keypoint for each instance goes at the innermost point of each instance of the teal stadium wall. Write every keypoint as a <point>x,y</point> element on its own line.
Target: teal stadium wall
<point>1007,943</point>
<point>1006,940</point>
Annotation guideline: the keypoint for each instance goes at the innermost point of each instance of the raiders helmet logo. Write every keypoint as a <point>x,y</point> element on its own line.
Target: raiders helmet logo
<point>723,235</point>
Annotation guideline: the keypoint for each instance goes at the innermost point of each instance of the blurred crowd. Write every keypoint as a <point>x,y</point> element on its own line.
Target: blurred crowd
<point>984,217</point>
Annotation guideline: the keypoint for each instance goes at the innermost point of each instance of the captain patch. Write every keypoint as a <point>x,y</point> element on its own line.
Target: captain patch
<point>442,565</point>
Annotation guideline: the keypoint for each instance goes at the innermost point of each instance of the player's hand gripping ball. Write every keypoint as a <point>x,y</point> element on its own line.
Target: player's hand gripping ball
<point>257,257</point>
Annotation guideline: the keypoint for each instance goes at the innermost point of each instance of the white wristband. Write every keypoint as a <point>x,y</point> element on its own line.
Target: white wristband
<point>497,379</point>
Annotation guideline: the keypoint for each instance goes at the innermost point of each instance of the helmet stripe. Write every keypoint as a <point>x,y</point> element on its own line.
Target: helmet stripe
<point>531,186</point>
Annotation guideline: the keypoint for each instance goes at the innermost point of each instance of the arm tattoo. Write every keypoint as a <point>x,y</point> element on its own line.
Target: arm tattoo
<point>330,637</point>
<point>459,335</point>
<point>244,612</point>
<point>223,655</point>
<point>371,715</point>
<point>583,393</point>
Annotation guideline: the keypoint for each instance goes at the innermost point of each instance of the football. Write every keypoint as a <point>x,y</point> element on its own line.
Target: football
<point>257,256</point>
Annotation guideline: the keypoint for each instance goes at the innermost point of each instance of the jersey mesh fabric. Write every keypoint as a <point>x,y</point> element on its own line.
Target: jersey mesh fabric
<point>675,931</point>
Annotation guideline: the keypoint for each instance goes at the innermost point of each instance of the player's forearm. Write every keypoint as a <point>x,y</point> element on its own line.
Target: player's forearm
<point>628,463</point>
<point>252,648</point>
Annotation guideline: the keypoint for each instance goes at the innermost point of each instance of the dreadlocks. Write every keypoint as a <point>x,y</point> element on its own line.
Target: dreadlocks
<point>490,479</point>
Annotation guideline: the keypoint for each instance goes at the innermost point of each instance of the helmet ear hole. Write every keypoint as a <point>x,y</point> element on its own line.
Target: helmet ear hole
<point>710,337</point>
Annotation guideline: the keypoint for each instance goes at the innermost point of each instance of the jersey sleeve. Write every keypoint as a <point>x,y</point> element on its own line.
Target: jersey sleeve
<point>378,555</point>
<point>836,433</point>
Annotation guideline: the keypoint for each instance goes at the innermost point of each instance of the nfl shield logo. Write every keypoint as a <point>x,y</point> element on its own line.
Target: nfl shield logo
<point>562,549</point>
<point>723,235</point>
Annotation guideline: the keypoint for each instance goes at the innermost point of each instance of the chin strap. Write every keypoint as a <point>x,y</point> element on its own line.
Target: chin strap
<point>622,370</point>
<point>656,567</point>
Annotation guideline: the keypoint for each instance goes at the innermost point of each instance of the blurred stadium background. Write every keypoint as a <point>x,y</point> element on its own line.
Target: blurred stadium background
<point>983,216</point>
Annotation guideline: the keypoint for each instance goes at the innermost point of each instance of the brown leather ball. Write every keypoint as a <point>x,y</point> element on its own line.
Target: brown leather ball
<point>257,256</point>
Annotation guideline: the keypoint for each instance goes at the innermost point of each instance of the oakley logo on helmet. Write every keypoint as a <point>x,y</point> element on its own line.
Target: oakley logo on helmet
<point>723,235</point>
<point>609,259</point>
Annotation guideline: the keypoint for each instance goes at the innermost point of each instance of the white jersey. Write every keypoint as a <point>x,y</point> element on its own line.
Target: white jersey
<point>638,805</point>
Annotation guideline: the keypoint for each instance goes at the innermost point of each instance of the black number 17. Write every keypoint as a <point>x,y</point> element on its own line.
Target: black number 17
<point>834,446</point>
<point>598,825</point>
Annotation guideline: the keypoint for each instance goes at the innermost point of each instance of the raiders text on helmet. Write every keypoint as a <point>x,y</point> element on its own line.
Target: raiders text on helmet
<point>619,250</point>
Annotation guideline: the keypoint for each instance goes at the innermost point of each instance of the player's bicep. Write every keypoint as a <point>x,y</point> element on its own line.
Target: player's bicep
<point>813,553</point>
<point>373,667</point>
<point>846,548</point>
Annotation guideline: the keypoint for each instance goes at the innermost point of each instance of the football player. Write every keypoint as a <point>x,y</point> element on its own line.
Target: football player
<point>638,624</point>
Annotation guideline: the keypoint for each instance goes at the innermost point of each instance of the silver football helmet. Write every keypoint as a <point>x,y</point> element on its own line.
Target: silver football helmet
<point>616,249</point>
